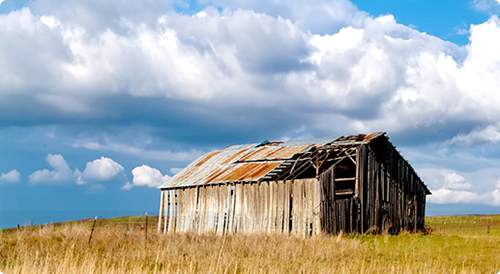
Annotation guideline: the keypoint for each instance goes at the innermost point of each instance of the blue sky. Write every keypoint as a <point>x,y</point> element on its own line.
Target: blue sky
<point>101,101</point>
<point>447,19</point>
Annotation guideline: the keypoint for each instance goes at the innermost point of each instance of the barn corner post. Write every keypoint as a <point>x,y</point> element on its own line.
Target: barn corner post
<point>358,190</point>
<point>160,214</point>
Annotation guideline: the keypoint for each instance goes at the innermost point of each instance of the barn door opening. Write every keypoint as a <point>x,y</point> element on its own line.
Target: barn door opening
<point>339,209</point>
<point>345,179</point>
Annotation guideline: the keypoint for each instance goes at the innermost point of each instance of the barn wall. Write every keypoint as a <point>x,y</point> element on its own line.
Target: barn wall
<point>289,207</point>
<point>392,196</point>
<point>337,213</point>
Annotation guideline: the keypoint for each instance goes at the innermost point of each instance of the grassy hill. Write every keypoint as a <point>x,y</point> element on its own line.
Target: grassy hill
<point>459,244</point>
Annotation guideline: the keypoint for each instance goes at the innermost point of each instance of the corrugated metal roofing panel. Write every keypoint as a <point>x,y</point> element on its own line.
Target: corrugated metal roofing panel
<point>247,171</point>
<point>235,163</point>
<point>198,171</point>
<point>279,152</point>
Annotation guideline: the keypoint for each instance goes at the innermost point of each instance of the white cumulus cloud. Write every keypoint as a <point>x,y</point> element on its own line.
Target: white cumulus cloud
<point>146,176</point>
<point>450,196</point>
<point>453,180</point>
<point>60,172</point>
<point>102,169</point>
<point>317,16</point>
<point>12,176</point>
<point>98,170</point>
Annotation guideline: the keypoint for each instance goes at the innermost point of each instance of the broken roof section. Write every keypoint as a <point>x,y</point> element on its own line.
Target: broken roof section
<point>251,162</point>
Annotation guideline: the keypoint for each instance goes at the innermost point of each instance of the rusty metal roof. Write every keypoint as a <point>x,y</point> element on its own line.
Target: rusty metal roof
<point>235,163</point>
<point>247,163</point>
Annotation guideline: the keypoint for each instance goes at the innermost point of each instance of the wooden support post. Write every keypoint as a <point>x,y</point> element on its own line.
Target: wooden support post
<point>92,230</point>
<point>160,215</point>
<point>316,165</point>
<point>146,230</point>
<point>356,184</point>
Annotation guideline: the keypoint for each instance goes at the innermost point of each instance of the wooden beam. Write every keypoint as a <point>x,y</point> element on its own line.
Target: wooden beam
<point>345,179</point>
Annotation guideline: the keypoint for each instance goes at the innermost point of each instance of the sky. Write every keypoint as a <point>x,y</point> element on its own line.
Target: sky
<point>102,101</point>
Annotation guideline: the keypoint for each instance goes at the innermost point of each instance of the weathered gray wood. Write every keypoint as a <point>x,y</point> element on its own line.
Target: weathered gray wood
<point>160,214</point>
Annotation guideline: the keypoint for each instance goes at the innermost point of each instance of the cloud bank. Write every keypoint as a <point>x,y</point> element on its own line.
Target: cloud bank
<point>452,187</point>
<point>369,76</point>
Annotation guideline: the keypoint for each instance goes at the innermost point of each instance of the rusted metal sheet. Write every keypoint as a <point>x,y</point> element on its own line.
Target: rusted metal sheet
<point>235,163</point>
<point>247,171</point>
<point>280,152</point>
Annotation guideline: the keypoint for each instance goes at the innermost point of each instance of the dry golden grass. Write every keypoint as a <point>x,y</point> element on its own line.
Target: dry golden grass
<point>117,248</point>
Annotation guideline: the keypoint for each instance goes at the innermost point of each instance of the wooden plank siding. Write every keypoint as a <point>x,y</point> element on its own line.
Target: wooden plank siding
<point>393,197</point>
<point>380,202</point>
<point>337,214</point>
<point>289,207</point>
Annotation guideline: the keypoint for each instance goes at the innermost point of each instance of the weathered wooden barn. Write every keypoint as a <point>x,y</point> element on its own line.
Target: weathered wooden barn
<point>355,183</point>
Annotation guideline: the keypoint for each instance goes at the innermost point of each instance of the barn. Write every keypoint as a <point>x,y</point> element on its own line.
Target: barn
<point>358,183</point>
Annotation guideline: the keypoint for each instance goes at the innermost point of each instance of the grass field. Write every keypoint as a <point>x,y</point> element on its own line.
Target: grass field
<point>462,244</point>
